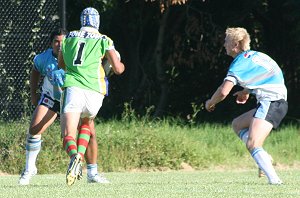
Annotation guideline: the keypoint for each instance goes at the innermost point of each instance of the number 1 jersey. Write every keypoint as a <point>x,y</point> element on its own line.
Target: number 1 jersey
<point>83,52</point>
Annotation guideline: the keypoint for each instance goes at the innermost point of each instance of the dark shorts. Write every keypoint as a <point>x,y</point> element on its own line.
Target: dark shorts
<point>272,111</point>
<point>47,101</point>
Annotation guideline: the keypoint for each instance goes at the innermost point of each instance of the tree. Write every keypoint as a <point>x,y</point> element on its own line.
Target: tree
<point>174,56</point>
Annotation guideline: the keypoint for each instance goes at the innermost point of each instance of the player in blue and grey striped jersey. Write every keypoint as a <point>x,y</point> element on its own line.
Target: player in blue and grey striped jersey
<point>257,74</point>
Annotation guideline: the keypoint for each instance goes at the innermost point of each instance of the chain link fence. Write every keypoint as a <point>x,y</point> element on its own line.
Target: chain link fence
<point>25,29</point>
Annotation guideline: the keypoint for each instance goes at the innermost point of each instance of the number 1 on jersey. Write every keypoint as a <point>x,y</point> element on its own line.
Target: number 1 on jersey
<point>78,57</point>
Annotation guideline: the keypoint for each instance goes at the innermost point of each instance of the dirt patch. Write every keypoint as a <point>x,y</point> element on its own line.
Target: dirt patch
<point>137,170</point>
<point>183,167</point>
<point>186,167</point>
<point>2,173</point>
<point>295,165</point>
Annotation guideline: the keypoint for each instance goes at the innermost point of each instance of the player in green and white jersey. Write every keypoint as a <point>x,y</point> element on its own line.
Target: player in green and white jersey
<point>47,109</point>
<point>85,85</point>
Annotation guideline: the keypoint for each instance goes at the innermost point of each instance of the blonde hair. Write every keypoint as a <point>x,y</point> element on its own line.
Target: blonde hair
<point>239,35</point>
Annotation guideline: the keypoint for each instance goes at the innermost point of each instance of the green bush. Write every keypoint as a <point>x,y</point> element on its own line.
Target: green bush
<point>145,144</point>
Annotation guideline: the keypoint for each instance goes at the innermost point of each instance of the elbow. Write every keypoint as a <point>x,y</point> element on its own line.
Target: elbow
<point>119,70</point>
<point>222,96</point>
<point>223,93</point>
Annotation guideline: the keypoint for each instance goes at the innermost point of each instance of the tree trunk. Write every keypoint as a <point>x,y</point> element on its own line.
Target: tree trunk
<point>160,71</point>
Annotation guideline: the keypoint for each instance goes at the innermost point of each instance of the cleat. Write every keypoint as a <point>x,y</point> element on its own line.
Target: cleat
<point>97,179</point>
<point>26,176</point>
<point>74,168</point>
<point>79,177</point>
<point>261,173</point>
<point>277,182</point>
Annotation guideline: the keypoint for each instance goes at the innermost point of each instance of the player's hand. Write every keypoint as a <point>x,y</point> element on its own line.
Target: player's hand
<point>49,70</point>
<point>209,106</point>
<point>58,77</point>
<point>241,97</point>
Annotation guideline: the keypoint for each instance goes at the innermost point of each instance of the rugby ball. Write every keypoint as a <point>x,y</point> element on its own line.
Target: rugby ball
<point>107,67</point>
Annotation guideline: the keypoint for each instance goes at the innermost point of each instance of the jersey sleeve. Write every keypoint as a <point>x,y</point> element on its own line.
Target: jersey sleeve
<point>234,72</point>
<point>231,78</point>
<point>240,70</point>
<point>108,43</point>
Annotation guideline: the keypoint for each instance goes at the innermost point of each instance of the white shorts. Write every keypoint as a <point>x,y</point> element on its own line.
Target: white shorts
<point>84,101</point>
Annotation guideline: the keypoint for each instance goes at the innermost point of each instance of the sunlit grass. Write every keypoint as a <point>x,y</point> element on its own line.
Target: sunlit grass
<point>147,144</point>
<point>241,183</point>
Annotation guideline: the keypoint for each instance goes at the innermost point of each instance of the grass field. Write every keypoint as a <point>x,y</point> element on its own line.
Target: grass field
<point>240,183</point>
<point>216,163</point>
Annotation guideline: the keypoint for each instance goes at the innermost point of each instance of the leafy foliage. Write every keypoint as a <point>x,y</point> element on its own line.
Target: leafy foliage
<point>145,144</point>
<point>192,62</point>
<point>175,59</point>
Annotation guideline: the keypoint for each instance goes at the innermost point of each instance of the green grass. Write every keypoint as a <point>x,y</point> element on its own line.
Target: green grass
<point>223,167</point>
<point>229,183</point>
<point>145,144</point>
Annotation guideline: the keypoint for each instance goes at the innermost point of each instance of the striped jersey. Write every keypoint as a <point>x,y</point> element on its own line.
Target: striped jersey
<point>83,52</point>
<point>260,74</point>
<point>42,62</point>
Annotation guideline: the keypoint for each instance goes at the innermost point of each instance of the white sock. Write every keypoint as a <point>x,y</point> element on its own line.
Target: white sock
<point>33,147</point>
<point>244,134</point>
<point>92,169</point>
<point>264,162</point>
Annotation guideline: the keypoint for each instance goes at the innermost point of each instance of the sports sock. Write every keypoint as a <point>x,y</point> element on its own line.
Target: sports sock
<point>92,169</point>
<point>264,162</point>
<point>244,134</point>
<point>83,139</point>
<point>33,147</point>
<point>70,146</point>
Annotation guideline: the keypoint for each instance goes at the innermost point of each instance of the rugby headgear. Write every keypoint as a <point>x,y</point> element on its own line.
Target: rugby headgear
<point>90,18</point>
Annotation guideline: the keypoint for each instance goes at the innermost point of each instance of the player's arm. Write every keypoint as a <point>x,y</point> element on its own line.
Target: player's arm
<point>34,83</point>
<point>117,66</point>
<point>219,95</point>
<point>61,61</point>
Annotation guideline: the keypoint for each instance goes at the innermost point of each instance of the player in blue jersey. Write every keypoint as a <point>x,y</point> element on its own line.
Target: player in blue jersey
<point>259,75</point>
<point>47,108</point>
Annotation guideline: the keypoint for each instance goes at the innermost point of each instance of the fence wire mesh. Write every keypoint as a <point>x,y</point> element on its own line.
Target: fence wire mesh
<point>25,27</point>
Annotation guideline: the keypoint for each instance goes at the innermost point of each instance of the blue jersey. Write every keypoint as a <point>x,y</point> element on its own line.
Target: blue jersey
<point>42,62</point>
<point>259,73</point>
